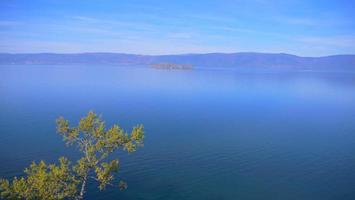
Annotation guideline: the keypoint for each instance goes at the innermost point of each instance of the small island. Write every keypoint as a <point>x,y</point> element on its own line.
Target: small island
<point>172,66</point>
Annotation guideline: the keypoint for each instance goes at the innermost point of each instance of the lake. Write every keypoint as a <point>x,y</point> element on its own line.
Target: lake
<point>210,134</point>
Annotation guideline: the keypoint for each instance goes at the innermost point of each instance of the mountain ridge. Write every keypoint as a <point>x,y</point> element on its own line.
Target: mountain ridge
<point>205,60</point>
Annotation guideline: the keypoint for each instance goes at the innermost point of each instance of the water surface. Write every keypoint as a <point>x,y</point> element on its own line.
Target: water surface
<point>210,134</point>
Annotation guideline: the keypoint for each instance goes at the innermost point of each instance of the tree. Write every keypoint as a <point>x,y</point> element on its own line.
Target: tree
<point>67,181</point>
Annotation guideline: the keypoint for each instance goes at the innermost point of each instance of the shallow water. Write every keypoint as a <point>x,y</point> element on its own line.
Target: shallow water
<point>210,134</point>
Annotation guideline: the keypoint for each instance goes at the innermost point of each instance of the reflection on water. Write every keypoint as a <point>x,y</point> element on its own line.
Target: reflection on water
<point>209,134</point>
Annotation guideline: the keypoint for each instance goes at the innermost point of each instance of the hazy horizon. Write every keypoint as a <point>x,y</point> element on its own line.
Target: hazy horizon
<point>303,28</point>
<point>178,54</point>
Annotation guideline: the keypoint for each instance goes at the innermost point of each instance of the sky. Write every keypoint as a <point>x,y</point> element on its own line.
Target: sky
<point>300,27</point>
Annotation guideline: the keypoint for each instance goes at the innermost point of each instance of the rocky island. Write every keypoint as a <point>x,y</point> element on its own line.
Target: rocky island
<point>172,66</point>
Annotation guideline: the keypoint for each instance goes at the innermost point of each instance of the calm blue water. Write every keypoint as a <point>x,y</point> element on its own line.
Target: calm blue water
<point>209,134</point>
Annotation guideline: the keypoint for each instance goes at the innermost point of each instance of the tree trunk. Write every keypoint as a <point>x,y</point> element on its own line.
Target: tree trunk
<point>82,191</point>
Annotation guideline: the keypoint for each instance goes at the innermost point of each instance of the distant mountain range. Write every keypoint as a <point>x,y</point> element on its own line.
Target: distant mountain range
<point>209,60</point>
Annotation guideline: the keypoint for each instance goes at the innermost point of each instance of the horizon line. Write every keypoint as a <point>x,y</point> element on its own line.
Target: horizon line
<point>137,54</point>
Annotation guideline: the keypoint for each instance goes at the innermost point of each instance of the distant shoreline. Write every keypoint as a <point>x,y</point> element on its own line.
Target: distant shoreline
<point>183,61</point>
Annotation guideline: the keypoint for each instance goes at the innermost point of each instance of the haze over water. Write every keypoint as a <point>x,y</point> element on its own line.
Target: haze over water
<point>210,134</point>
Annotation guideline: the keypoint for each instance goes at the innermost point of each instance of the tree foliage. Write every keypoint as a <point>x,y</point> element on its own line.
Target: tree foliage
<point>67,181</point>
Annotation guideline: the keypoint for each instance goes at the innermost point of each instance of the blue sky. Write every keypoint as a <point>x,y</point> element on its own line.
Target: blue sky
<point>301,27</point>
